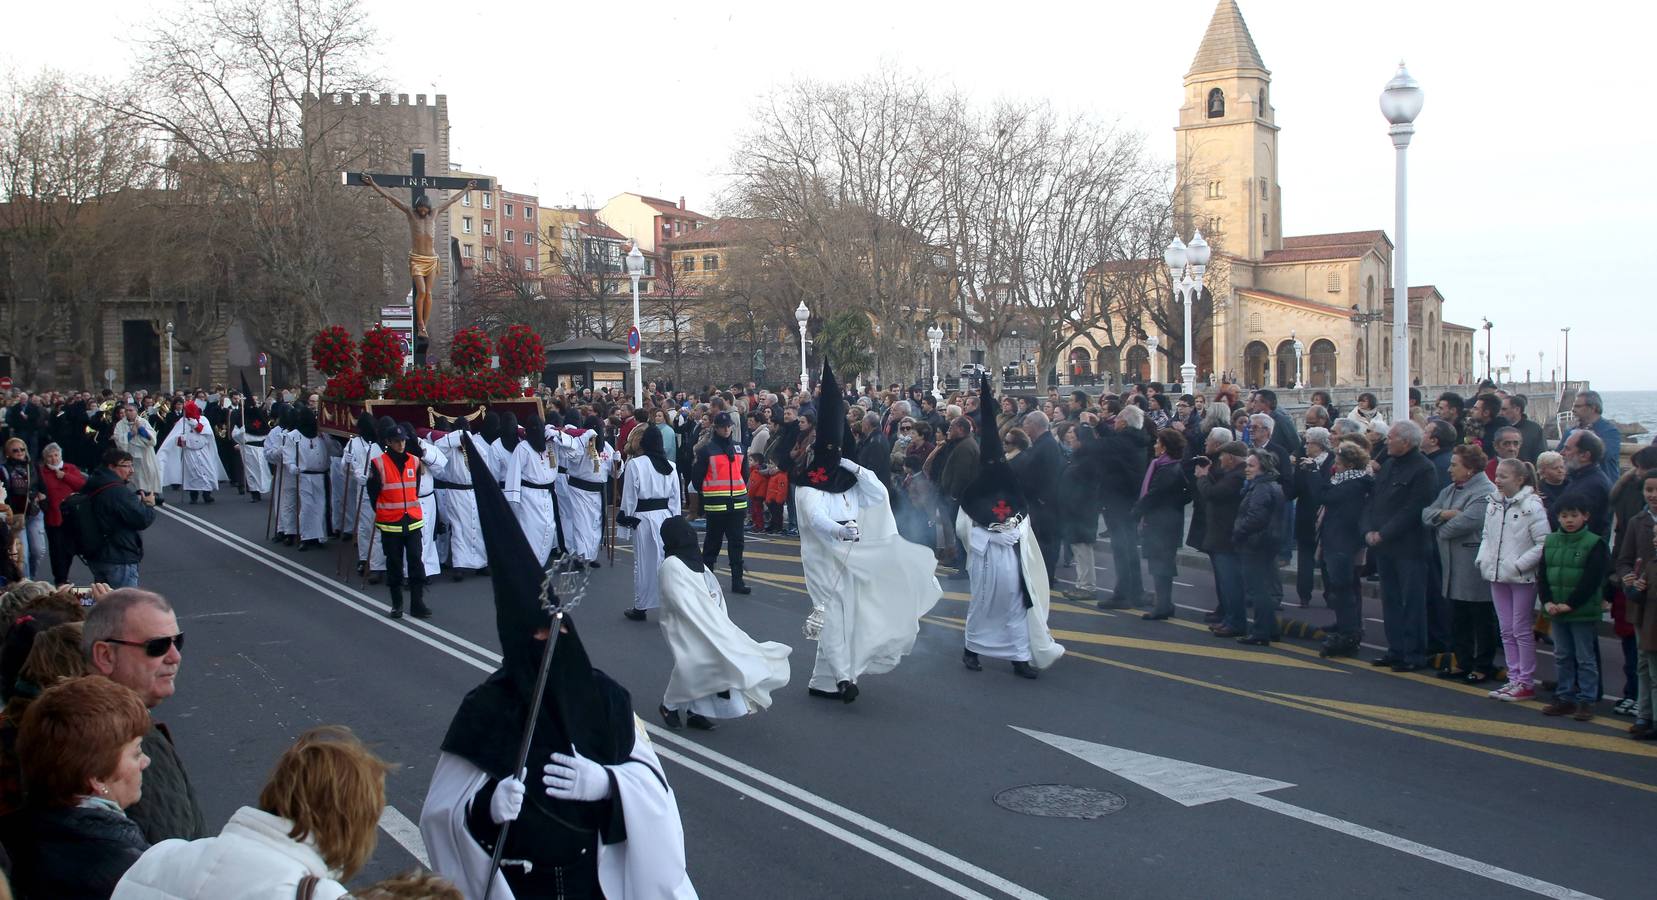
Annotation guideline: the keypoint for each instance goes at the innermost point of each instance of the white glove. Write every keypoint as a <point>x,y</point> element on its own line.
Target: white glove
<point>846,532</point>
<point>1004,538</point>
<point>507,801</point>
<point>575,778</point>
<point>850,466</point>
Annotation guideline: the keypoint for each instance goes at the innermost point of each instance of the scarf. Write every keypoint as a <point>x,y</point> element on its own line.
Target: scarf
<point>1156,466</point>
<point>1346,475</point>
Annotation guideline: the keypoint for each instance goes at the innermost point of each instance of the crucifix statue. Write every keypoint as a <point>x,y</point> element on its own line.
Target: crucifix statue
<point>422,220</point>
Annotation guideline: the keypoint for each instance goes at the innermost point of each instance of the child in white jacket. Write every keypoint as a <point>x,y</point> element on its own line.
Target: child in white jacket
<point>1515,527</point>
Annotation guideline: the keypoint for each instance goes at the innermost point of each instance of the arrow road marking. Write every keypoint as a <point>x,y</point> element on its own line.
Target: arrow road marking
<point>1190,784</point>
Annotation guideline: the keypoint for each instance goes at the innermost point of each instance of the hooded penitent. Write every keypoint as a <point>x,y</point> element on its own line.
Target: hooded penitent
<point>581,706</point>
<point>679,541</point>
<point>821,469</point>
<point>655,450</point>
<point>290,419</point>
<point>994,496</point>
<point>490,429</point>
<point>366,429</point>
<point>192,416</point>
<point>535,433</point>
<point>307,423</point>
<point>509,432</point>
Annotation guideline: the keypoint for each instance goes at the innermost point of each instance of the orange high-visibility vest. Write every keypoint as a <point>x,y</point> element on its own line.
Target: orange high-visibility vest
<point>722,488</point>
<point>399,493</point>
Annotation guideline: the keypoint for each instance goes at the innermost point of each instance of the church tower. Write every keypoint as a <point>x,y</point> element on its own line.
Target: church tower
<point>1226,143</point>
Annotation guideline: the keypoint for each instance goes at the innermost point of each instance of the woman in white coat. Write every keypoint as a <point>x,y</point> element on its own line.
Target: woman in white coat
<point>649,497</point>
<point>327,788</point>
<point>1510,554</point>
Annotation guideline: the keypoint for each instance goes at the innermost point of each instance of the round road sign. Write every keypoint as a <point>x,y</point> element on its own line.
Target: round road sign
<point>5,383</point>
<point>264,360</point>
<point>632,340</point>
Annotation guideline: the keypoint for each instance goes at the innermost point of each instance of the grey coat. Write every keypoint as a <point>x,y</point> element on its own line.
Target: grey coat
<point>1459,539</point>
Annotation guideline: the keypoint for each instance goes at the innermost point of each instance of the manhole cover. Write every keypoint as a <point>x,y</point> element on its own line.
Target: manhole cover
<point>1060,801</point>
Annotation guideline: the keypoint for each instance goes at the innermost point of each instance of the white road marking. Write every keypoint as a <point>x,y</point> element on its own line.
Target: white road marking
<point>405,833</point>
<point>485,661</point>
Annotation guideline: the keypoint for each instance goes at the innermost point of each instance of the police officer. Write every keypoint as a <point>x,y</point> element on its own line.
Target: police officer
<point>717,476</point>
<point>394,489</point>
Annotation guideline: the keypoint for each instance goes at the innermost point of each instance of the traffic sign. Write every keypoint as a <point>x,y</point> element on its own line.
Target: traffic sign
<point>632,340</point>
<point>109,375</point>
<point>264,360</point>
<point>5,383</point>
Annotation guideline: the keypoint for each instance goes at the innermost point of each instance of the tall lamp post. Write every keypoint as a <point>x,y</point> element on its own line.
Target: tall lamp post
<point>803,315</point>
<point>1186,263</point>
<point>935,336</point>
<point>169,357</point>
<point>1401,102</point>
<point>1564,380</point>
<point>635,269</point>
<point>1300,366</point>
<point>1489,357</point>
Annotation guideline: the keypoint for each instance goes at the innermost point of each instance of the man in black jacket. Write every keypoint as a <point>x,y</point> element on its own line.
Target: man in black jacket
<point>873,451</point>
<point>1126,452</point>
<point>1586,484</point>
<point>121,514</point>
<point>1513,410</point>
<point>1400,542</point>
<point>1311,478</point>
<point>1037,470</point>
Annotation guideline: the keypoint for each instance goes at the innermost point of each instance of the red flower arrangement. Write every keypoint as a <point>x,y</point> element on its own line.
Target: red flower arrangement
<point>470,350</point>
<point>425,385</point>
<point>332,350</point>
<point>382,353</point>
<point>489,384</point>
<point>346,387</point>
<point>521,352</point>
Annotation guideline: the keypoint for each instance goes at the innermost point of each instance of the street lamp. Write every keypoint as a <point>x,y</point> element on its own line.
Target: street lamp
<point>635,268</point>
<point>1186,263</point>
<point>1401,102</point>
<point>1539,369</point>
<point>803,315</point>
<point>169,357</point>
<point>935,336</point>
<point>1567,377</point>
<point>1300,368</point>
<point>1151,343</point>
<point>1488,357</point>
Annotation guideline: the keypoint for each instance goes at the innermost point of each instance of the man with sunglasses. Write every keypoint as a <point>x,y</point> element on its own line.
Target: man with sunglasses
<point>131,637</point>
<point>121,514</point>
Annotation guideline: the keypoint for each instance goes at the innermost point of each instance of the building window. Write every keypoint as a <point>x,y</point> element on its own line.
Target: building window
<point>1265,225</point>
<point>488,201</point>
<point>667,229</point>
<point>1264,194</point>
<point>489,254</point>
<point>1257,323</point>
<point>466,199</point>
<point>1213,224</point>
<point>529,264</point>
<point>1334,282</point>
<point>510,236</point>
<point>529,212</point>
<point>488,227</point>
<point>1216,104</point>
<point>688,263</point>
<point>644,287</point>
<point>466,250</point>
<point>506,209</point>
<point>710,263</point>
<point>465,224</point>
<point>1216,190</point>
<point>529,237</point>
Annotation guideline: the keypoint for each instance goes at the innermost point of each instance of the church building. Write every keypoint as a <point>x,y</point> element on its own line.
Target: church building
<point>1331,293</point>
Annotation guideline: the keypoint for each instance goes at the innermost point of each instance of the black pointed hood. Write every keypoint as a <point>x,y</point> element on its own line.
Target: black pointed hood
<point>679,540</point>
<point>994,496</point>
<point>307,423</point>
<point>366,429</point>
<point>822,469</point>
<point>535,433</point>
<point>509,432</point>
<point>290,418</point>
<point>581,706</point>
<point>654,447</point>
<point>490,428</point>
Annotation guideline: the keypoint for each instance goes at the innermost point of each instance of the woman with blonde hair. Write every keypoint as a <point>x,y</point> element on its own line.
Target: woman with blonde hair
<point>315,823</point>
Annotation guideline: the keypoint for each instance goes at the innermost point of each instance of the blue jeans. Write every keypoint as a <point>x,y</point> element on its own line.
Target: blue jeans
<point>1404,605</point>
<point>116,575</point>
<point>1228,584</point>
<point>1576,662</point>
<point>1259,571</point>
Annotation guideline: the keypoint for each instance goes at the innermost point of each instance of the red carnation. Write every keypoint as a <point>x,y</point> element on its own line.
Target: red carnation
<point>521,352</point>
<point>332,350</point>
<point>382,352</point>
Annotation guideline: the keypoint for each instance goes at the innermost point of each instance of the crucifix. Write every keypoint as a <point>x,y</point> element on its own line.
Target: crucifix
<point>422,219</point>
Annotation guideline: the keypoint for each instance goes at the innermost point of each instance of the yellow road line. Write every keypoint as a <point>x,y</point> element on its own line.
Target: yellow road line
<point>1567,737</point>
<point>1357,720</point>
<point>1111,640</point>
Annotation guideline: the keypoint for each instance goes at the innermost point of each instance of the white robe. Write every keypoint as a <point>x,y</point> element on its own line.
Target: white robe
<point>314,466</point>
<point>430,559</point>
<point>649,865</point>
<point>583,510</point>
<point>253,459</point>
<point>277,450</point>
<point>338,485</point>
<point>359,455</point>
<point>642,480</point>
<point>873,591</point>
<point>138,438</point>
<point>998,623</point>
<point>532,506</point>
<point>195,465</point>
<point>711,654</point>
<point>459,508</point>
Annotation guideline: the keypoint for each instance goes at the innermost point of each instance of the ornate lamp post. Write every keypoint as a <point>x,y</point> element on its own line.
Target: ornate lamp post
<point>1300,366</point>
<point>935,336</point>
<point>1186,263</point>
<point>635,268</point>
<point>803,315</point>
<point>169,357</point>
<point>1401,102</point>
<point>1566,376</point>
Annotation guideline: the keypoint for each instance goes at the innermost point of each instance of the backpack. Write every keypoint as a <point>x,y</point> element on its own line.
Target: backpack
<point>80,522</point>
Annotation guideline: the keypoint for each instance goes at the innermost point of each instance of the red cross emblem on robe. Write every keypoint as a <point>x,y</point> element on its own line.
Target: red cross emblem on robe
<point>1001,510</point>
<point>818,475</point>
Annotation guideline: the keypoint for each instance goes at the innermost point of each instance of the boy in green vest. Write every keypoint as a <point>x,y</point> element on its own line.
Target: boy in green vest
<point>1575,565</point>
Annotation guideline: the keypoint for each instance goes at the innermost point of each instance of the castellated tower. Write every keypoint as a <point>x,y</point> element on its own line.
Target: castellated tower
<point>380,133</point>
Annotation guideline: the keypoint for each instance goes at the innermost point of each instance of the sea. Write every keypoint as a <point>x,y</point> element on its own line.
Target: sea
<point>1633,406</point>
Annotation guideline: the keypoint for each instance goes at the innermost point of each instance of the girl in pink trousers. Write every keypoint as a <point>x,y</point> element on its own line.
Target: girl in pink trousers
<point>1515,527</point>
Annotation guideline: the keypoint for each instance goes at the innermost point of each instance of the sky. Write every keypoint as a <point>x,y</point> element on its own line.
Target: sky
<point>1524,186</point>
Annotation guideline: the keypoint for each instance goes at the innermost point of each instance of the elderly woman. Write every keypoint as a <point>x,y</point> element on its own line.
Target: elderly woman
<point>1456,521</point>
<point>79,749</point>
<point>1550,484</point>
<point>316,820</point>
<point>1311,478</point>
<point>1256,535</point>
<point>58,480</point>
<point>1160,511</point>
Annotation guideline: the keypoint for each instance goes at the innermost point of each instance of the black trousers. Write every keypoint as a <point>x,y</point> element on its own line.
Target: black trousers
<point>401,545</point>
<point>61,552</point>
<point>723,525</point>
<point>1342,589</point>
<point>1474,636</point>
<point>1307,566</point>
<point>1124,552</point>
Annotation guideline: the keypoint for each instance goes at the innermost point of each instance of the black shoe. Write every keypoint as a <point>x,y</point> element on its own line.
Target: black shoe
<point>207,498</point>
<point>1213,618</point>
<point>740,587</point>
<point>396,612</point>
<point>160,501</point>
<point>240,489</point>
<point>1448,674</point>
<point>456,575</point>
<point>700,722</point>
<point>280,539</point>
<point>192,499</point>
<point>1382,661</point>
<point>1477,677</point>
<point>848,691</point>
<point>970,660</point>
<point>636,615</point>
<point>362,567</point>
<point>958,575</point>
<point>1402,666</point>
<point>419,609</point>
<point>827,695</point>
<point>376,577</point>
<point>1254,641</point>
<point>293,540</point>
<point>305,545</point>
<point>592,563</point>
<point>1156,616</point>
<point>1112,603</point>
<point>670,717</point>
<point>1023,669</point>
<point>397,602</point>
<point>481,571</point>
<point>256,496</point>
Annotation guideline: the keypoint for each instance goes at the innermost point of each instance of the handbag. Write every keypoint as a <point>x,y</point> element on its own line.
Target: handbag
<point>307,887</point>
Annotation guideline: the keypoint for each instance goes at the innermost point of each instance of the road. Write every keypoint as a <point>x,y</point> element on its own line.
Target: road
<point>896,795</point>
